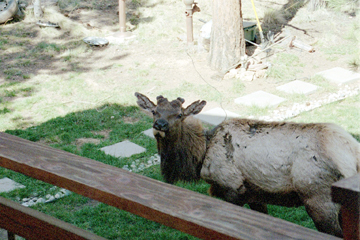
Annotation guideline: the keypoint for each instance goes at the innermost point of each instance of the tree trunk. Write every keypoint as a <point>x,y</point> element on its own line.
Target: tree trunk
<point>227,44</point>
<point>314,5</point>
<point>38,13</point>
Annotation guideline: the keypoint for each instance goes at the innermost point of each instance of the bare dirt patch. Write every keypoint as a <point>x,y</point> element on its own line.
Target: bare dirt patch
<point>104,133</point>
<point>130,120</point>
<point>81,141</point>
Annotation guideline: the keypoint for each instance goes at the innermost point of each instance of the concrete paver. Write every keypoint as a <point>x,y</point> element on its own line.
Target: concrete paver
<point>339,75</point>
<point>7,185</point>
<point>215,116</point>
<point>261,99</point>
<point>149,133</point>
<point>123,149</point>
<point>298,86</point>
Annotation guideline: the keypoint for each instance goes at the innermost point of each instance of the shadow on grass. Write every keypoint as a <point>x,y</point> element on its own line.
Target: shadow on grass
<point>108,124</point>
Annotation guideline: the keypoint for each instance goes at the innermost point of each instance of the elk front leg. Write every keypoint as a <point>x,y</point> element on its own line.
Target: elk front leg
<point>325,215</point>
<point>259,207</point>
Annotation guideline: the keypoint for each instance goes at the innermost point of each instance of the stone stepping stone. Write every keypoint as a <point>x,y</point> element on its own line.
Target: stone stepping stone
<point>123,149</point>
<point>339,75</point>
<point>215,116</point>
<point>149,133</point>
<point>7,185</point>
<point>298,86</point>
<point>261,99</point>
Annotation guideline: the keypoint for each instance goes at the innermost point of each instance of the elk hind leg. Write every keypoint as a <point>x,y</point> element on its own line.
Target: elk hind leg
<point>325,215</point>
<point>259,207</point>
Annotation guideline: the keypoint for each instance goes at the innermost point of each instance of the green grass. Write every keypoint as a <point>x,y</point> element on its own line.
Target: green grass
<point>208,92</point>
<point>47,47</point>
<point>13,89</point>
<point>11,72</point>
<point>107,221</point>
<point>349,39</point>
<point>347,6</point>
<point>323,84</point>
<point>285,67</point>
<point>345,113</point>
<point>238,87</point>
<point>4,110</point>
<point>295,215</point>
<point>256,111</point>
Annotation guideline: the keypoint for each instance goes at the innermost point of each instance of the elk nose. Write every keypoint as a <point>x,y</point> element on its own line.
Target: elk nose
<point>161,125</point>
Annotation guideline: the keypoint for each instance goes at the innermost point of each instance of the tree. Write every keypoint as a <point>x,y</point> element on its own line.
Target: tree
<point>38,13</point>
<point>316,4</point>
<point>227,43</point>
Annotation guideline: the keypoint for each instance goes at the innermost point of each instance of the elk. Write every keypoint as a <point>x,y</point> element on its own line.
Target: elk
<point>256,162</point>
<point>180,138</point>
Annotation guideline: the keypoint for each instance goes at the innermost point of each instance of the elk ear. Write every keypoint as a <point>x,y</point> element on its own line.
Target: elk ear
<point>194,108</point>
<point>144,102</point>
<point>181,100</point>
<point>159,97</point>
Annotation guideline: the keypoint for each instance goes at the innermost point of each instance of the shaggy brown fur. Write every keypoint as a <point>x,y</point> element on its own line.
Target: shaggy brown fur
<point>256,162</point>
<point>180,138</point>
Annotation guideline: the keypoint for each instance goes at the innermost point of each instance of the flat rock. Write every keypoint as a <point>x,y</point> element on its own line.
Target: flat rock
<point>215,116</point>
<point>261,99</point>
<point>123,149</point>
<point>149,133</point>
<point>339,75</point>
<point>7,185</point>
<point>298,86</point>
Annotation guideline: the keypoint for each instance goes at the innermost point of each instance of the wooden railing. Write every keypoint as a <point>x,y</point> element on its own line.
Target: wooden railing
<point>193,213</point>
<point>347,193</point>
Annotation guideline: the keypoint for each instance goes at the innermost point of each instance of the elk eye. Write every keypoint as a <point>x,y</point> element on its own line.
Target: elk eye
<point>180,115</point>
<point>153,112</point>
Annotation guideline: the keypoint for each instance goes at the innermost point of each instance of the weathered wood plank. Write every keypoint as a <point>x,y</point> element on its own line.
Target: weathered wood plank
<point>32,224</point>
<point>187,211</point>
<point>347,193</point>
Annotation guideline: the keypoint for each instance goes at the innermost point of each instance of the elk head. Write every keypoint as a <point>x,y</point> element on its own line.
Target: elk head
<point>168,116</point>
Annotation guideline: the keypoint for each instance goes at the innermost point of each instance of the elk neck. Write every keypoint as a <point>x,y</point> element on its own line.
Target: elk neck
<point>190,135</point>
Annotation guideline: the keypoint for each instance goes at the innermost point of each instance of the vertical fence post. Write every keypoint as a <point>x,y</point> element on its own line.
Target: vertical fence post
<point>347,193</point>
<point>189,20</point>
<point>11,236</point>
<point>122,34</point>
<point>191,7</point>
<point>122,15</point>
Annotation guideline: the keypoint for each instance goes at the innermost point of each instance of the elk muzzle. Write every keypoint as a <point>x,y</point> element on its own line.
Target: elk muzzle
<point>160,127</point>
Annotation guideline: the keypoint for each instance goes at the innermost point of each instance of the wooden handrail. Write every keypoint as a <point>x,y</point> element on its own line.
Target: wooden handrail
<point>199,215</point>
<point>347,193</point>
<point>32,224</point>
